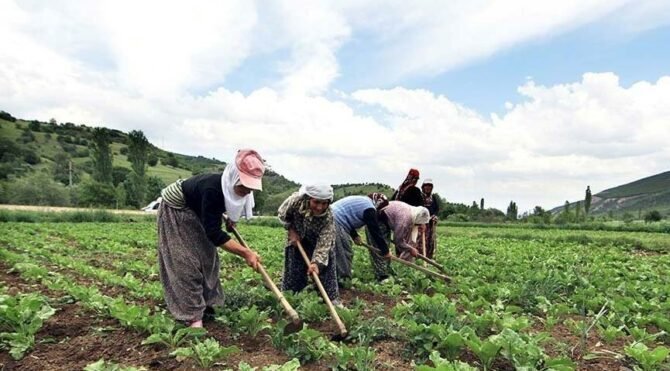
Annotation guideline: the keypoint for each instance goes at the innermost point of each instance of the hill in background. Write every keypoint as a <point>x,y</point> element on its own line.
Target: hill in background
<point>635,198</point>
<point>30,147</point>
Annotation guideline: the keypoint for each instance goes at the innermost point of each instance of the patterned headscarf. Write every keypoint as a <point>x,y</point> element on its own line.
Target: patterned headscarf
<point>379,200</point>
<point>410,181</point>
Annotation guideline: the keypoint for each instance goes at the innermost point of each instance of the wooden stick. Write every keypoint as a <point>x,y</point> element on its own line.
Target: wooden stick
<point>268,281</point>
<point>423,241</point>
<point>412,265</point>
<point>431,262</point>
<point>324,295</point>
<point>433,235</point>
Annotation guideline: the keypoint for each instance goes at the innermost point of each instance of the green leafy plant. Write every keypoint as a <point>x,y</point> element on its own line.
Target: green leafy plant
<point>353,358</point>
<point>252,321</point>
<point>610,333</point>
<point>21,316</point>
<point>485,350</point>
<point>292,365</point>
<point>307,345</point>
<point>441,364</point>
<point>102,365</point>
<point>173,339</point>
<point>206,353</point>
<point>648,359</point>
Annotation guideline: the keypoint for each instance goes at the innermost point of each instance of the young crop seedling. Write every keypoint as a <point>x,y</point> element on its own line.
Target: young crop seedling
<point>21,316</point>
<point>441,364</point>
<point>292,365</point>
<point>102,365</point>
<point>174,339</point>
<point>648,359</point>
<point>353,358</point>
<point>206,353</point>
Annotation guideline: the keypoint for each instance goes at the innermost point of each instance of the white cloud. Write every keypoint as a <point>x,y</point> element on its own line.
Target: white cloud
<point>162,68</point>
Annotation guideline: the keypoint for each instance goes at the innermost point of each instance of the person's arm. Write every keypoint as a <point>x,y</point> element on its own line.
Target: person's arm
<point>211,209</point>
<point>325,242</point>
<point>372,222</point>
<point>354,235</point>
<point>402,234</point>
<point>436,205</point>
<point>286,210</point>
<point>251,257</point>
<point>211,218</point>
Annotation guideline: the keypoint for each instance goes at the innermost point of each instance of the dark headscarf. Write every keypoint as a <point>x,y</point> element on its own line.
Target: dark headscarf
<point>410,181</point>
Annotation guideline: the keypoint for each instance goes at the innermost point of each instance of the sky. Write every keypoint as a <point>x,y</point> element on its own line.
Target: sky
<point>519,100</point>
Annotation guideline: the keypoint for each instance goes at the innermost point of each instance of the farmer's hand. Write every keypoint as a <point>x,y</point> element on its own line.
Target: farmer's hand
<point>293,237</point>
<point>358,241</point>
<point>414,252</point>
<point>252,259</point>
<point>230,225</point>
<point>313,268</point>
<point>433,219</point>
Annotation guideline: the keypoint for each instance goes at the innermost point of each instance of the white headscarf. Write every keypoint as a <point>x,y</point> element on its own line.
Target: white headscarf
<point>236,206</point>
<point>318,191</point>
<point>420,215</point>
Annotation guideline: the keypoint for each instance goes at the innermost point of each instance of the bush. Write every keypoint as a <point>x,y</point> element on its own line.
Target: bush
<point>37,189</point>
<point>170,161</point>
<point>152,160</point>
<point>119,174</point>
<point>31,157</point>
<point>154,187</point>
<point>6,116</point>
<point>124,151</point>
<point>92,193</point>
<point>34,125</point>
<point>652,216</point>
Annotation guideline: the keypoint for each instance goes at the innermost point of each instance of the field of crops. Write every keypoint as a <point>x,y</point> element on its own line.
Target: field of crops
<point>76,295</point>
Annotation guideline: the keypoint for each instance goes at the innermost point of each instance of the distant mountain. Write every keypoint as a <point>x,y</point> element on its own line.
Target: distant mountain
<point>650,193</point>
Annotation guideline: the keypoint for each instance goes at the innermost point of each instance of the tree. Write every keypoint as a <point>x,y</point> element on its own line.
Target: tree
<point>566,207</point>
<point>152,160</point>
<point>138,148</point>
<point>119,175</point>
<point>578,211</point>
<point>102,156</point>
<point>154,187</point>
<point>481,204</point>
<point>94,193</point>
<point>61,169</point>
<point>512,211</point>
<point>652,216</point>
<point>7,116</point>
<point>170,160</point>
<point>587,200</point>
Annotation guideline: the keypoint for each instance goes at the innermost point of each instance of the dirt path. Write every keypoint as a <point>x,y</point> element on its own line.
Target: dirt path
<point>66,209</point>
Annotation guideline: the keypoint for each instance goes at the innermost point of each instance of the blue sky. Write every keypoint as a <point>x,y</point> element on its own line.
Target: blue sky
<point>517,100</point>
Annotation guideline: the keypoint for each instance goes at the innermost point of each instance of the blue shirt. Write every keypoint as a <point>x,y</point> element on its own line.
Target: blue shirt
<point>349,211</point>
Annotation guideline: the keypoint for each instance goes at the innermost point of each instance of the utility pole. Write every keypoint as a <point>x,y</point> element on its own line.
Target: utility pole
<point>70,172</point>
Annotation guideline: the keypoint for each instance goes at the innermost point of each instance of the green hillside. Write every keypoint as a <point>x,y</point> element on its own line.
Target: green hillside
<point>28,148</point>
<point>48,140</point>
<point>658,183</point>
<point>634,198</point>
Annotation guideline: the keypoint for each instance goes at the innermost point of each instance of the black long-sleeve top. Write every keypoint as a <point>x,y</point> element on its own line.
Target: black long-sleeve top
<point>203,195</point>
<point>432,205</point>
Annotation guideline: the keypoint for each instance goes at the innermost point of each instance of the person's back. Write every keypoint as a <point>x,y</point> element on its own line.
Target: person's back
<point>349,211</point>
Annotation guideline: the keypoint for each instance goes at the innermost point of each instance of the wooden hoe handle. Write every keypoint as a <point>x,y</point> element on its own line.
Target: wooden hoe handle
<point>268,281</point>
<point>324,295</point>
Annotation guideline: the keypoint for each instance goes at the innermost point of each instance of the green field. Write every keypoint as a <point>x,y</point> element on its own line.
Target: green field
<point>520,299</point>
